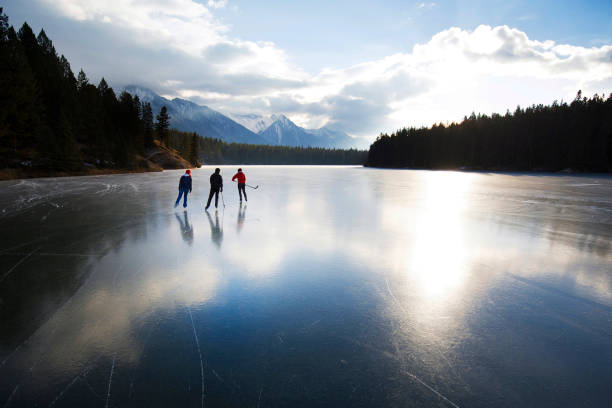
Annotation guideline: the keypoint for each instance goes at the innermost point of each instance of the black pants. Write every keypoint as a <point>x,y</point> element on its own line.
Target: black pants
<point>215,192</point>
<point>241,191</point>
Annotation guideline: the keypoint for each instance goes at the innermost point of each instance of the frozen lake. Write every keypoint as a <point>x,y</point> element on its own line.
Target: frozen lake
<point>335,286</point>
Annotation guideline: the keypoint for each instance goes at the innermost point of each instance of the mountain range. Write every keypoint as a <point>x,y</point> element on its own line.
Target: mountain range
<point>242,128</point>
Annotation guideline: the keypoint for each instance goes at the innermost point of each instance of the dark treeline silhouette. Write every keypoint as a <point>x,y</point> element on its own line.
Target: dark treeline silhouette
<point>575,136</point>
<point>50,120</point>
<point>214,151</point>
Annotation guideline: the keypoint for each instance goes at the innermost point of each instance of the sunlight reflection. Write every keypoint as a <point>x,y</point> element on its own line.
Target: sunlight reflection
<point>439,254</point>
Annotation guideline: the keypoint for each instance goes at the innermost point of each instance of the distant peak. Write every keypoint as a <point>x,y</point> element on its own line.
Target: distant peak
<point>283,120</point>
<point>138,89</point>
<point>145,94</point>
<point>186,102</point>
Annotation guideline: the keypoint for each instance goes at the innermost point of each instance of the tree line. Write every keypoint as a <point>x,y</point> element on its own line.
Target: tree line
<point>214,151</point>
<point>555,137</point>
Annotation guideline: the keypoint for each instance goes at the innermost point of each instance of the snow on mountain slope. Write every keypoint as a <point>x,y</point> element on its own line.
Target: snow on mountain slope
<point>190,117</point>
<point>242,128</point>
<point>253,122</point>
<point>283,131</point>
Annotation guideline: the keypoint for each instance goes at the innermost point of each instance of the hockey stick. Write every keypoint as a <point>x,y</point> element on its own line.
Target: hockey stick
<point>222,199</point>
<point>254,188</point>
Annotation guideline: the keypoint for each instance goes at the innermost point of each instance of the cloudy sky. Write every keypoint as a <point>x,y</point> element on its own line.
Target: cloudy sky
<point>362,66</point>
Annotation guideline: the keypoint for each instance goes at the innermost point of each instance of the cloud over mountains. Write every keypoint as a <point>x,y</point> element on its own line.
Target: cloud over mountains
<point>180,48</point>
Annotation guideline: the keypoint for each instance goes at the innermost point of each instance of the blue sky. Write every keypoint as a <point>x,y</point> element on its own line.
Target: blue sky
<point>362,66</point>
<point>313,32</point>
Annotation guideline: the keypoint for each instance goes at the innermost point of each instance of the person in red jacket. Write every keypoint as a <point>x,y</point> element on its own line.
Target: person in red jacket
<point>241,184</point>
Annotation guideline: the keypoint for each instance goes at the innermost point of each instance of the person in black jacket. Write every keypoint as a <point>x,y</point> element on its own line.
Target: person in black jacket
<point>184,188</point>
<point>216,186</point>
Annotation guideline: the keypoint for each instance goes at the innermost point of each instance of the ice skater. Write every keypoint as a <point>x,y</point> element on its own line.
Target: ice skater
<point>241,184</point>
<point>184,188</point>
<point>216,186</point>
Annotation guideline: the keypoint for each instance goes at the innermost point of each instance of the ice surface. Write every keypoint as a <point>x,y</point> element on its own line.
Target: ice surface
<point>334,286</point>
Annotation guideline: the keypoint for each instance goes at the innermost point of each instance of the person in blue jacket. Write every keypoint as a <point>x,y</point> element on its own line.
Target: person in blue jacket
<point>184,188</point>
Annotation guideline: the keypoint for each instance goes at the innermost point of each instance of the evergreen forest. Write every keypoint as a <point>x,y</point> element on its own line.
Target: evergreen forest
<point>52,120</point>
<point>214,151</point>
<point>574,136</point>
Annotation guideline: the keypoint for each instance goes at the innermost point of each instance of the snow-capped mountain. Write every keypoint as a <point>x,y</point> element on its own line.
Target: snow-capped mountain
<point>241,128</point>
<point>190,117</point>
<point>278,129</point>
<point>253,122</point>
<point>286,133</point>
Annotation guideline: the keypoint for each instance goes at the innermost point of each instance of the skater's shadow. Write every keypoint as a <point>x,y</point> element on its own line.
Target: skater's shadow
<point>186,227</point>
<point>241,217</point>
<point>216,230</point>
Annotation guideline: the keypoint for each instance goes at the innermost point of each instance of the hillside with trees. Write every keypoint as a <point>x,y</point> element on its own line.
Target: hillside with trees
<point>575,136</point>
<point>52,122</point>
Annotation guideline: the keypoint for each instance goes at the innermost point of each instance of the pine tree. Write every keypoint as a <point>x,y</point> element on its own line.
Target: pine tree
<point>147,121</point>
<point>194,150</point>
<point>5,80</point>
<point>45,43</point>
<point>3,27</point>
<point>68,156</point>
<point>20,106</point>
<point>82,80</point>
<point>103,87</point>
<point>162,125</point>
<point>91,114</point>
<point>67,72</point>
<point>109,121</point>
<point>139,136</point>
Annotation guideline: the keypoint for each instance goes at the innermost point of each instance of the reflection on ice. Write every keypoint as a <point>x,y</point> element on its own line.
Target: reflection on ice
<point>241,217</point>
<point>345,285</point>
<point>438,260</point>
<point>186,228</point>
<point>216,229</point>
<point>126,291</point>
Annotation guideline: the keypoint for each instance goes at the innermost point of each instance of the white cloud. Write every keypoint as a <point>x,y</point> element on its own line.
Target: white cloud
<point>424,5</point>
<point>217,4</point>
<point>458,71</point>
<point>181,24</point>
<point>179,48</point>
